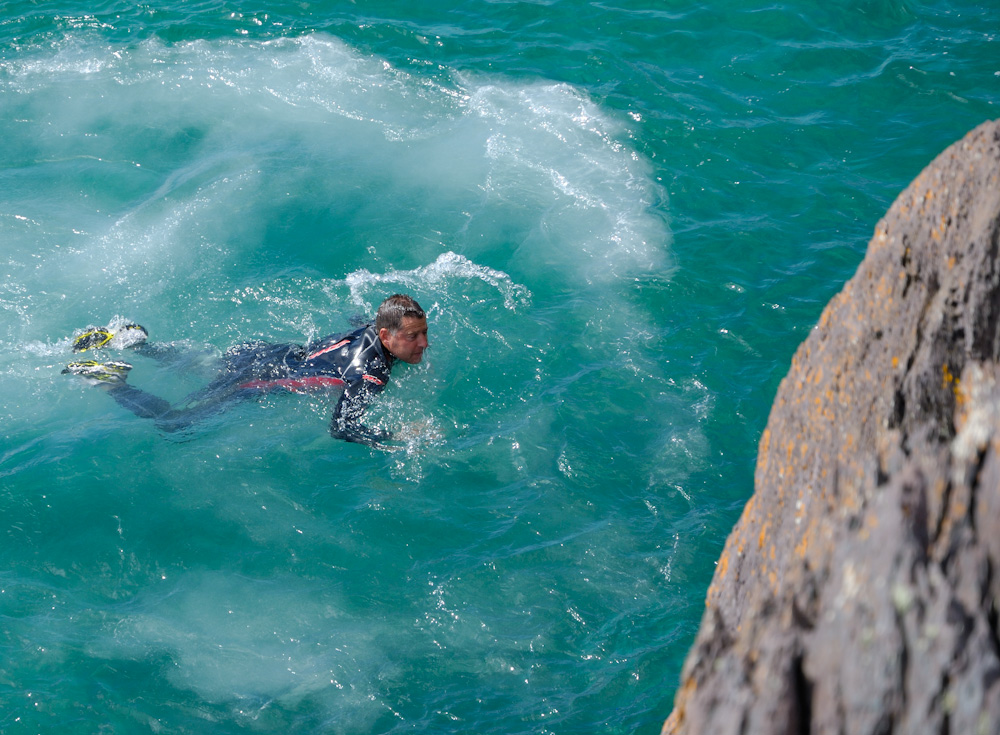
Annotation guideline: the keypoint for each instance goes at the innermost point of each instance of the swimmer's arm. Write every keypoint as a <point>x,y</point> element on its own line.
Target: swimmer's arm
<point>346,423</point>
<point>359,433</point>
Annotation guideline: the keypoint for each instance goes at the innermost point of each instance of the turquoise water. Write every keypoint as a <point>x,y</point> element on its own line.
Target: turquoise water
<point>622,219</point>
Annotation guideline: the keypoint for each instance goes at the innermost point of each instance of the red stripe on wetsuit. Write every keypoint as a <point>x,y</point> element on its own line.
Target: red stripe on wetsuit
<point>311,383</point>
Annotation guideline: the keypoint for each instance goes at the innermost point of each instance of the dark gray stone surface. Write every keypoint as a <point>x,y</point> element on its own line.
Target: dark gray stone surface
<point>858,592</point>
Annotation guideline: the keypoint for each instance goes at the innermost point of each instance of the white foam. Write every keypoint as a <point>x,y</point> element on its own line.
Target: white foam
<point>436,278</point>
<point>553,139</point>
<point>237,639</point>
<point>482,165</point>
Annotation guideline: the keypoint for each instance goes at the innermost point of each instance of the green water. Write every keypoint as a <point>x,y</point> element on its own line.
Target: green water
<point>622,219</point>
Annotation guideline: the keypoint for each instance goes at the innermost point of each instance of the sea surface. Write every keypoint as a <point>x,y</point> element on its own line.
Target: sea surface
<point>622,216</point>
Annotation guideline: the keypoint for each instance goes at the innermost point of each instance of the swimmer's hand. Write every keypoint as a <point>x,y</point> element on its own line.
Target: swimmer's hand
<point>414,436</point>
<point>417,430</point>
<point>410,437</point>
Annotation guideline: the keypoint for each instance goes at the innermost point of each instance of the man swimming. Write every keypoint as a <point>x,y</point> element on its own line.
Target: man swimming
<point>357,361</point>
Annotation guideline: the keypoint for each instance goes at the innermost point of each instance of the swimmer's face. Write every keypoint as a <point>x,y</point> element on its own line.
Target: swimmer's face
<point>408,342</point>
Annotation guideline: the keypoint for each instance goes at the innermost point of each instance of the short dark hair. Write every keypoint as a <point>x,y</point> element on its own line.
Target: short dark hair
<point>394,309</point>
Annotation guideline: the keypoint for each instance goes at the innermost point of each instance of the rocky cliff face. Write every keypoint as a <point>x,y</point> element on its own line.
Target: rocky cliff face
<point>859,591</point>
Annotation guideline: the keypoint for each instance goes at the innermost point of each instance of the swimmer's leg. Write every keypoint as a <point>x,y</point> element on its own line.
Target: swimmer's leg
<point>212,399</point>
<point>142,404</point>
<point>209,401</point>
<point>181,356</point>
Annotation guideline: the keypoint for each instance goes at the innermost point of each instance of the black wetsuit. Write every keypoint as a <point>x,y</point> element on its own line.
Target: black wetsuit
<point>355,361</point>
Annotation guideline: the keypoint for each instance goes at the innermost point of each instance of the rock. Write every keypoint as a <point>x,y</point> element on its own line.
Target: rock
<point>858,591</point>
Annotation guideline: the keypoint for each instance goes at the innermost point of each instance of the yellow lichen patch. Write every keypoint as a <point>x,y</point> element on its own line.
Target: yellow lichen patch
<point>962,403</point>
<point>672,724</point>
<point>947,378</point>
<point>762,536</point>
<point>951,262</point>
<point>895,362</point>
<point>765,441</point>
<point>850,502</point>
<point>718,584</point>
<point>676,719</point>
<point>802,547</point>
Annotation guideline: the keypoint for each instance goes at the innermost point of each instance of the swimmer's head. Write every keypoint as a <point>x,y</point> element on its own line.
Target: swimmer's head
<point>392,311</point>
<point>402,326</point>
